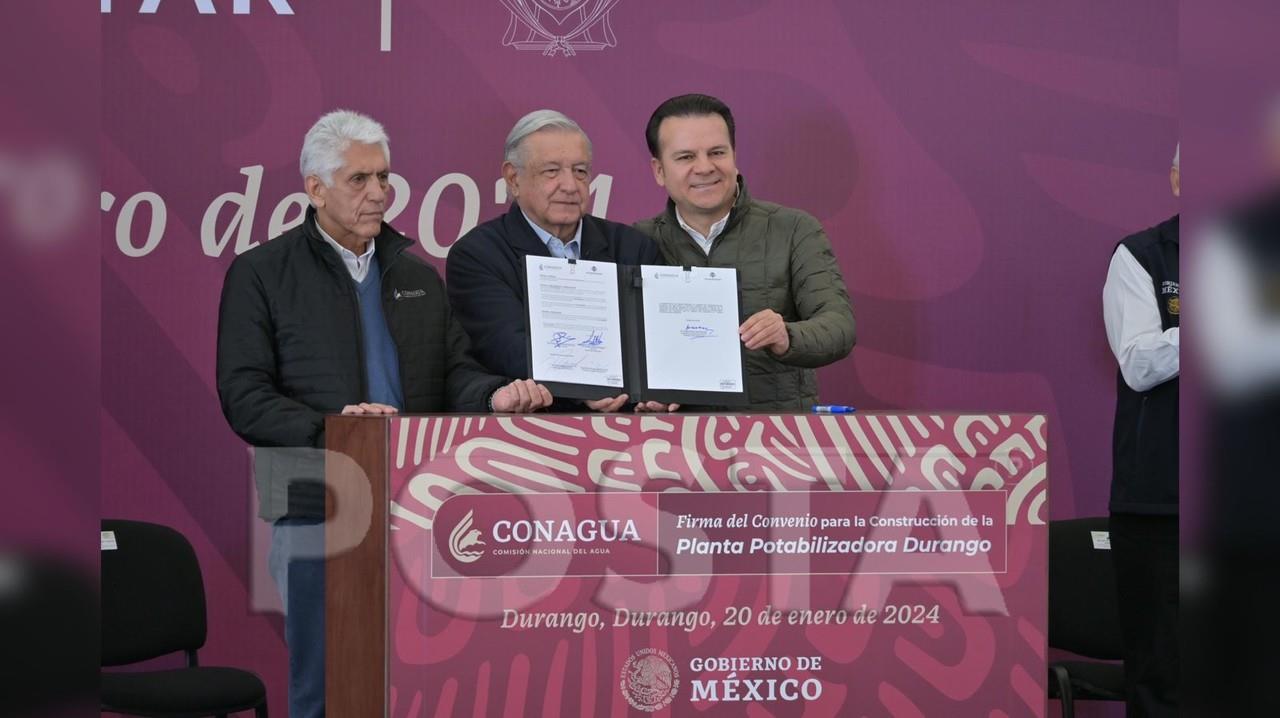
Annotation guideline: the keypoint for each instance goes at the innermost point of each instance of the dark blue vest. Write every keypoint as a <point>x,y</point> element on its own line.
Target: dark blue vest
<point>1144,477</point>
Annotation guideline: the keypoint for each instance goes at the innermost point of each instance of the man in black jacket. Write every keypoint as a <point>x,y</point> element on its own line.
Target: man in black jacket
<point>547,168</point>
<point>335,316</point>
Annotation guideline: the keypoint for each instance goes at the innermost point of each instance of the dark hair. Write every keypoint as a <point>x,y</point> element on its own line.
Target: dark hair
<point>692,105</point>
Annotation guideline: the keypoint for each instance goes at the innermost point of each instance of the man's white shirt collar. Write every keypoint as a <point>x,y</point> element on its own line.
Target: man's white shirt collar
<point>358,266</point>
<point>704,242</point>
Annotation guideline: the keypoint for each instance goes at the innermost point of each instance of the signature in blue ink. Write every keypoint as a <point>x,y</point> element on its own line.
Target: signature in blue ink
<point>594,340</point>
<point>694,330</point>
<point>559,339</point>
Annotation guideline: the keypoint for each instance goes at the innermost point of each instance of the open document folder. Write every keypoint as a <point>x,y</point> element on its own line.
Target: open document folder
<point>669,334</point>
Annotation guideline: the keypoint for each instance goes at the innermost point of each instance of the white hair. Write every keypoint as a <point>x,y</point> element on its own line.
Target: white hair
<point>537,121</point>
<point>328,139</point>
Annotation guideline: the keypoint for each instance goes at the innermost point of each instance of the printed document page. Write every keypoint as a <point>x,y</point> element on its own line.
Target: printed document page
<point>573,321</point>
<point>691,328</point>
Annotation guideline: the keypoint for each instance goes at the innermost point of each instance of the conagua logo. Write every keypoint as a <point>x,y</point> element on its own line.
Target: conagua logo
<point>564,26</point>
<point>463,538</point>
<point>650,679</point>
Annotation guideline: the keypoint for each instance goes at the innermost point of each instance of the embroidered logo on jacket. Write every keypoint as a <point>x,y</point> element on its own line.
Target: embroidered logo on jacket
<point>409,294</point>
<point>1170,291</point>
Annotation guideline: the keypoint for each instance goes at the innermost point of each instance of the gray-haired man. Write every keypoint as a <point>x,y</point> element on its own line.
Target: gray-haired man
<point>335,316</point>
<point>547,168</point>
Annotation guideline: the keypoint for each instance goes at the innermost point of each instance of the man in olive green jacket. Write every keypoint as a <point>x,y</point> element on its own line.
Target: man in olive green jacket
<point>797,308</point>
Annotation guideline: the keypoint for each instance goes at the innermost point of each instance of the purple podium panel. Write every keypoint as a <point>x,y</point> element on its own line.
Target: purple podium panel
<point>716,565</point>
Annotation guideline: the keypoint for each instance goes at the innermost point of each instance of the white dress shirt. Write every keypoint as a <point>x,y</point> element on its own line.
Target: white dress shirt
<point>1238,338</point>
<point>704,242</point>
<point>1147,355</point>
<point>571,249</point>
<point>358,266</point>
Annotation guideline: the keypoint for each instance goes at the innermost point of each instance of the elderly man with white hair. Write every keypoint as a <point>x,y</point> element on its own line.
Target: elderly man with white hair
<point>546,164</point>
<point>1141,309</point>
<point>336,316</point>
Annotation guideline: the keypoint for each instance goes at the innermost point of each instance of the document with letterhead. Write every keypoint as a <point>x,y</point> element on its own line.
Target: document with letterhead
<point>574,329</point>
<point>691,328</point>
<point>656,333</point>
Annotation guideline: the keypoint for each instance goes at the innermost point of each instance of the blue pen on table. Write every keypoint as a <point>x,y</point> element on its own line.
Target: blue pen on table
<point>833,409</point>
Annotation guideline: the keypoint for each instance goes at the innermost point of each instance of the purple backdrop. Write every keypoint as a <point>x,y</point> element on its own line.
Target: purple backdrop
<point>973,164</point>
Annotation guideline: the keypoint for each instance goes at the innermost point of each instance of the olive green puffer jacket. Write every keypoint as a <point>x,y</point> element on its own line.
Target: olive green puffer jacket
<point>784,263</point>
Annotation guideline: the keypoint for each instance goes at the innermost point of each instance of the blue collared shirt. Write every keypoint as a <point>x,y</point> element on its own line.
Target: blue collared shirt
<point>571,249</point>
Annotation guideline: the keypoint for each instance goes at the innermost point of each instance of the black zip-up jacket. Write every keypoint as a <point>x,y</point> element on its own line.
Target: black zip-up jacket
<point>290,351</point>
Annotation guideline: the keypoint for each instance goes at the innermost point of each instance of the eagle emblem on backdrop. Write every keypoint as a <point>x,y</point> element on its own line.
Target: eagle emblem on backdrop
<point>559,26</point>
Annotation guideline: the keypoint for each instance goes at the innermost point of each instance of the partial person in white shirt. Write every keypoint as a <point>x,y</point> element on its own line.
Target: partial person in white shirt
<point>1147,353</point>
<point>1141,307</point>
<point>1236,273</point>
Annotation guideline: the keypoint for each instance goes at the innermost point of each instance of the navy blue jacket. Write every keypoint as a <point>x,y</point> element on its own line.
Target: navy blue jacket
<point>485,277</point>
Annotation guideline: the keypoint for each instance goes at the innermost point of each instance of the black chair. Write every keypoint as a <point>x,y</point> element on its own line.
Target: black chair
<point>1083,615</point>
<point>153,605</point>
